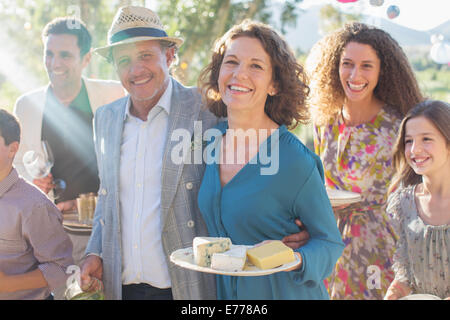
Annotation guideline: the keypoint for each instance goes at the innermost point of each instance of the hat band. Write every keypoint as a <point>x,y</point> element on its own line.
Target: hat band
<point>136,32</point>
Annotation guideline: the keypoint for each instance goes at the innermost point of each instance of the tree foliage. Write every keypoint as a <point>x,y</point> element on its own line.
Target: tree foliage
<point>25,19</point>
<point>201,22</point>
<point>198,22</point>
<point>332,18</point>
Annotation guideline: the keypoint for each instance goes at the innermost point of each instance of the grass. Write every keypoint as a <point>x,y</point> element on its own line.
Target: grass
<point>305,134</point>
<point>435,84</point>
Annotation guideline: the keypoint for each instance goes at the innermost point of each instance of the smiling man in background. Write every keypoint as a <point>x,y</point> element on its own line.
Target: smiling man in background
<point>61,113</point>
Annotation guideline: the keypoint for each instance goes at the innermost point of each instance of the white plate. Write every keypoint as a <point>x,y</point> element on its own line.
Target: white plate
<point>421,296</point>
<point>341,197</point>
<point>335,203</point>
<point>79,230</point>
<point>185,259</point>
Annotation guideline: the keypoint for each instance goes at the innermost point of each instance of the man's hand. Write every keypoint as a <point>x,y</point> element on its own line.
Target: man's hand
<point>91,273</point>
<point>24,281</point>
<point>297,240</point>
<point>45,184</point>
<point>67,205</point>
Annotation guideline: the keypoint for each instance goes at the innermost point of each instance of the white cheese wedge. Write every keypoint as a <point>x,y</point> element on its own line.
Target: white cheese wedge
<point>231,260</point>
<point>204,247</point>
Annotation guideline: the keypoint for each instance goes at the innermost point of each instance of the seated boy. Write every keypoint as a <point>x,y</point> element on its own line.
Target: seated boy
<point>34,248</point>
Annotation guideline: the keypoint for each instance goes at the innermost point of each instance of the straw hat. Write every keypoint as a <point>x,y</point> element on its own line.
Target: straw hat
<point>132,24</point>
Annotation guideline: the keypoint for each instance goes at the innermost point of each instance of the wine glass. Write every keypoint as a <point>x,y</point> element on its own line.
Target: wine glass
<point>39,165</point>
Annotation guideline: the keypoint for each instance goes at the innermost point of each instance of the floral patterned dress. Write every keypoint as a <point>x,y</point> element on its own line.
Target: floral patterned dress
<point>359,159</point>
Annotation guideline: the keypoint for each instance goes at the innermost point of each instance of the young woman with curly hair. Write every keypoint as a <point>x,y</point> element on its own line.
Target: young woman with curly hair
<point>255,81</point>
<point>361,87</point>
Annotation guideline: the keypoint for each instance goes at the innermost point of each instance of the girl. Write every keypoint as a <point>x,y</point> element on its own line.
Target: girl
<point>420,207</point>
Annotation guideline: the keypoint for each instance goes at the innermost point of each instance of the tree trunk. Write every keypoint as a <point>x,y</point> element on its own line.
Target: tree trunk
<point>85,16</point>
<point>254,8</point>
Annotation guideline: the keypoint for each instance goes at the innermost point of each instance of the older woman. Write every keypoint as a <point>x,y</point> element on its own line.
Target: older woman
<point>361,86</point>
<point>264,177</point>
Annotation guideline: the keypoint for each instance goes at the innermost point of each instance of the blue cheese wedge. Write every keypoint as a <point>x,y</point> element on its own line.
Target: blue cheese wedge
<point>232,260</point>
<point>204,247</point>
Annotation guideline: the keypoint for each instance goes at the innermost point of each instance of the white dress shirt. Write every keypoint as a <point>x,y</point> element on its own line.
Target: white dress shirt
<point>141,155</point>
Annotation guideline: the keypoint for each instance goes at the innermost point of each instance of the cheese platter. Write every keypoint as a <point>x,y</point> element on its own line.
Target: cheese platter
<point>185,258</point>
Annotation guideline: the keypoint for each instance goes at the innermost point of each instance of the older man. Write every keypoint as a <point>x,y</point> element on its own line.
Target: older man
<point>147,206</point>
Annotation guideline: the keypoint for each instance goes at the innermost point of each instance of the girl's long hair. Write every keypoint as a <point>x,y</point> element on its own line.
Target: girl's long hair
<point>438,112</point>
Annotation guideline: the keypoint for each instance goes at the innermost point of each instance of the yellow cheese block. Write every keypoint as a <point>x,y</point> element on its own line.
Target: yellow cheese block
<point>270,255</point>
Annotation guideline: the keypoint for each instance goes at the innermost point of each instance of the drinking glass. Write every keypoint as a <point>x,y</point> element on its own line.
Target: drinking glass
<point>39,165</point>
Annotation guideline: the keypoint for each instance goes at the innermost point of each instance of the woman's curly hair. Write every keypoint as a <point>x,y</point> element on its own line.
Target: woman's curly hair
<point>288,105</point>
<point>397,86</point>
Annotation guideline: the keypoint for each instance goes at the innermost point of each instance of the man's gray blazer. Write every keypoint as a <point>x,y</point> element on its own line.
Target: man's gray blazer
<point>181,218</point>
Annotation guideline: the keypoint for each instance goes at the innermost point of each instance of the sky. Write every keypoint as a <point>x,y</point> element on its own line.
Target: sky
<point>415,14</point>
<point>420,15</point>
